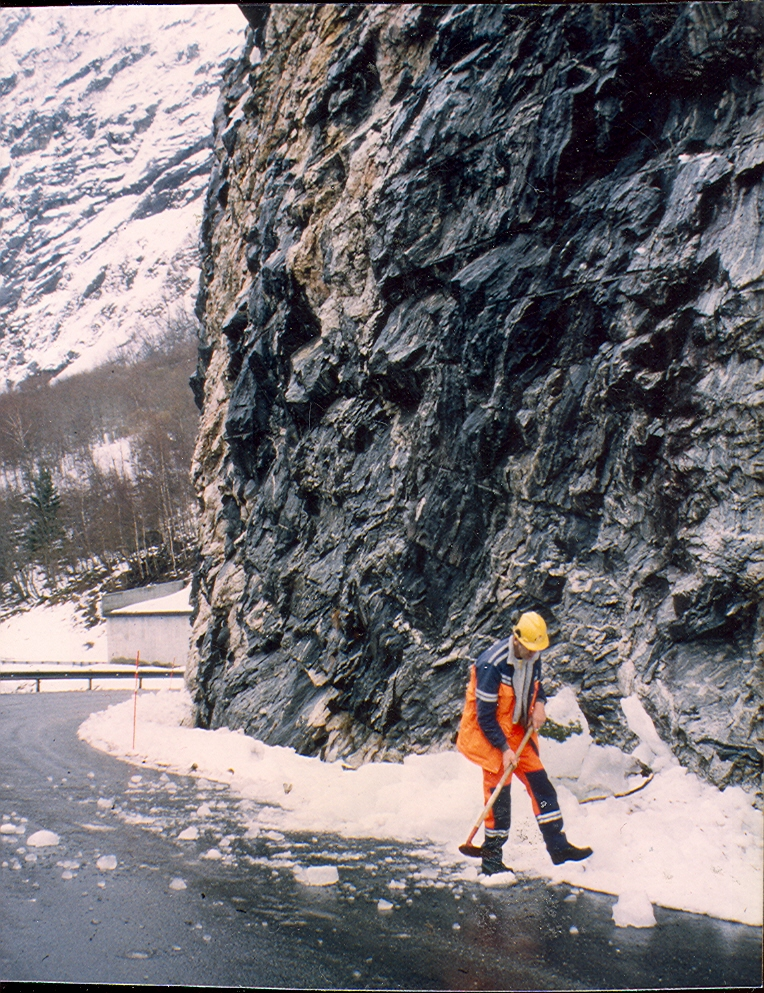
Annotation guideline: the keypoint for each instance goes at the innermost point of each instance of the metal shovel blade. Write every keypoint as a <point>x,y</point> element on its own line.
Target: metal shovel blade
<point>474,851</point>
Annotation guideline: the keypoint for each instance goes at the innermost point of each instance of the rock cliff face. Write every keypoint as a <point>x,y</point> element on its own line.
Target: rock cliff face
<point>483,295</point>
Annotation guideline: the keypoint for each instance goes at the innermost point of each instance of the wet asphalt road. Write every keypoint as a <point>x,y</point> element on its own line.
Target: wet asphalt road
<point>241,919</point>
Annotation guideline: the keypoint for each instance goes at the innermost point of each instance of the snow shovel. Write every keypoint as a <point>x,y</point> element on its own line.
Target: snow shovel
<point>475,850</point>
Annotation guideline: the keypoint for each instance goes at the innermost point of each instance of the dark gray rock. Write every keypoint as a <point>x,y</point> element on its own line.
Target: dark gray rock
<point>501,350</point>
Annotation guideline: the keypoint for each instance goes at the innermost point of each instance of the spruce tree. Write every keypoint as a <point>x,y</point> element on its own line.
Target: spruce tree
<point>45,532</point>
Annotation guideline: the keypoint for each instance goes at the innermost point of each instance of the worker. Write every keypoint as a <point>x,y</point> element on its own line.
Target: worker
<point>504,698</point>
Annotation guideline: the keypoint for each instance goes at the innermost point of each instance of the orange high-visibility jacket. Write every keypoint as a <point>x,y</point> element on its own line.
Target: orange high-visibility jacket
<point>471,741</point>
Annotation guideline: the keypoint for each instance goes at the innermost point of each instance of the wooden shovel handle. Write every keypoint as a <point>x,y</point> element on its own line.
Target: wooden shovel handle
<point>500,786</point>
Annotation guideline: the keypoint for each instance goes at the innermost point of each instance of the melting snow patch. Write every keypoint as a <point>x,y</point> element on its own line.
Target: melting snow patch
<point>43,839</point>
<point>213,854</point>
<point>634,909</point>
<point>498,879</point>
<point>316,875</point>
<point>107,862</point>
<point>384,906</point>
<point>189,834</point>
<point>426,874</point>
<point>177,884</point>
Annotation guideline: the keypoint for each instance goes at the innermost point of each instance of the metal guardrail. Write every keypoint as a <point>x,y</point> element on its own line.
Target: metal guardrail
<point>23,673</point>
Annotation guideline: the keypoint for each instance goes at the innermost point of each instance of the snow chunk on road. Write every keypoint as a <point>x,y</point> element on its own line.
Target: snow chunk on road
<point>497,879</point>
<point>107,863</point>
<point>316,875</point>
<point>189,834</point>
<point>43,839</point>
<point>384,907</point>
<point>177,884</point>
<point>633,909</point>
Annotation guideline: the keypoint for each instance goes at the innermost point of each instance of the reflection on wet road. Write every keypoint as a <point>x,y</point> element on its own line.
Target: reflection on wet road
<point>171,879</point>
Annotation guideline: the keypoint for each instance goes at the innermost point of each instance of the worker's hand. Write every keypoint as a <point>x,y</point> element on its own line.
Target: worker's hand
<point>509,758</point>
<point>538,717</point>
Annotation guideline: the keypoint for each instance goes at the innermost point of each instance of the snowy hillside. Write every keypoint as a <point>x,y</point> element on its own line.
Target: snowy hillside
<point>105,150</point>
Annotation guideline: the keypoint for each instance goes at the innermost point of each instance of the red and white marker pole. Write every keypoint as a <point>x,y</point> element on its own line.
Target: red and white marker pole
<point>135,695</point>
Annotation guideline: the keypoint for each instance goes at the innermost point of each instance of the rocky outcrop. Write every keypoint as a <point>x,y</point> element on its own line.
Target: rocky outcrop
<point>482,293</point>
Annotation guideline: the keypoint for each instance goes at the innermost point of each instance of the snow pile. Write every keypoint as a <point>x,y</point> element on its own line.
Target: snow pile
<point>679,842</point>
<point>499,879</point>
<point>53,633</point>
<point>633,909</point>
<point>590,770</point>
<point>316,875</point>
<point>43,839</point>
<point>651,750</point>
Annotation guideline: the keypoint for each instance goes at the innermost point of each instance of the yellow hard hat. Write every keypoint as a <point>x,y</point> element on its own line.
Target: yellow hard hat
<point>530,631</point>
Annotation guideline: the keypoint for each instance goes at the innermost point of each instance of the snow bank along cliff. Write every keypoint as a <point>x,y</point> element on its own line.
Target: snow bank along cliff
<point>482,296</point>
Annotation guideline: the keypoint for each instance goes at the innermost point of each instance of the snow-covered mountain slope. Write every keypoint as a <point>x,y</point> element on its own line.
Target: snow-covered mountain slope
<point>105,122</point>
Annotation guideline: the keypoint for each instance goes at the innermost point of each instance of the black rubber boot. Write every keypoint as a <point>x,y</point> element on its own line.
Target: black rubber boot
<point>491,868</point>
<point>492,860</point>
<point>569,853</point>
